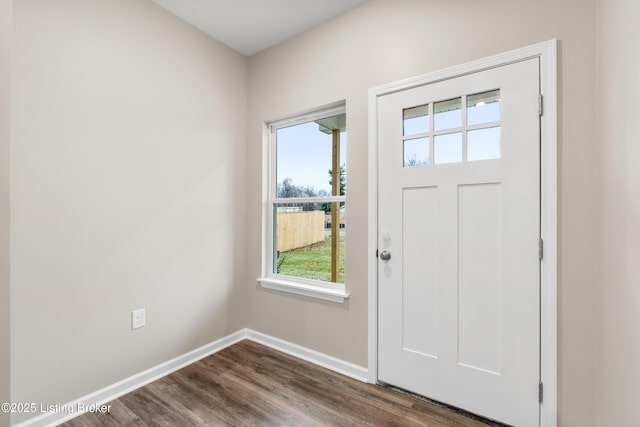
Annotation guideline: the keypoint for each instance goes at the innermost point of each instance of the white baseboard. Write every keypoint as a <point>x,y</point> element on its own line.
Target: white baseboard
<point>340,366</point>
<point>113,391</point>
<point>107,394</point>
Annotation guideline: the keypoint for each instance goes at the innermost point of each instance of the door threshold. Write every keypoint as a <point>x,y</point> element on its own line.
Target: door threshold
<point>487,421</point>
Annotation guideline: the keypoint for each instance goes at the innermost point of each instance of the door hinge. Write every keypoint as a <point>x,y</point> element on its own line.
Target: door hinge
<point>541,249</point>
<point>540,105</point>
<point>540,391</point>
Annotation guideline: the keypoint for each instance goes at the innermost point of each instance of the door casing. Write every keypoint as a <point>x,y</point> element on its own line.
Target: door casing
<point>547,52</point>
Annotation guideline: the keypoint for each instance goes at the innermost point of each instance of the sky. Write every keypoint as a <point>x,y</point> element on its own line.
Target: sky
<point>304,155</point>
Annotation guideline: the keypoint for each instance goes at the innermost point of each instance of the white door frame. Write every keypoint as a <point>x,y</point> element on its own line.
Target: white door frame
<point>547,52</point>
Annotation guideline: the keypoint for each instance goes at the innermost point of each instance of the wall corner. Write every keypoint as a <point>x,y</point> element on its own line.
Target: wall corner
<point>5,141</point>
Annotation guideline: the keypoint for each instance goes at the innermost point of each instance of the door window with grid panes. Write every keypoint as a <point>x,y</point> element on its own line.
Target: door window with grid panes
<point>453,130</point>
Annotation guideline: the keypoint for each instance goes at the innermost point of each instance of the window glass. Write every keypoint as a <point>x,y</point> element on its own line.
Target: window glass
<point>308,236</point>
<point>483,108</point>
<point>443,132</point>
<point>304,160</point>
<point>303,241</point>
<point>447,114</point>
<point>447,148</point>
<point>416,152</point>
<point>416,120</point>
<point>483,144</point>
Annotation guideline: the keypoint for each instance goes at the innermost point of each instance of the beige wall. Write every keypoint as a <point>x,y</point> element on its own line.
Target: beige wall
<point>5,142</point>
<point>384,41</point>
<point>618,388</point>
<point>129,170</point>
<point>128,155</point>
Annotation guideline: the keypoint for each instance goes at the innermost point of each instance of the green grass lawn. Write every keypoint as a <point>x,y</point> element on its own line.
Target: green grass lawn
<point>311,262</point>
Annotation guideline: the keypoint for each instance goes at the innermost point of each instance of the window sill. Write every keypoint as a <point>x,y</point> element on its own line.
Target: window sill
<point>306,289</point>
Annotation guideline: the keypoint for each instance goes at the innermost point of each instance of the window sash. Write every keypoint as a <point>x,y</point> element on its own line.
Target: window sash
<point>304,118</point>
<point>326,199</point>
<point>269,276</point>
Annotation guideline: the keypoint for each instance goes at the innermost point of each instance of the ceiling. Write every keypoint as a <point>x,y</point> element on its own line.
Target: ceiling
<point>250,26</point>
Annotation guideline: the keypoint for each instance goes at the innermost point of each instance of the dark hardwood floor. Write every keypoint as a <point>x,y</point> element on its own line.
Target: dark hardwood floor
<point>248,384</point>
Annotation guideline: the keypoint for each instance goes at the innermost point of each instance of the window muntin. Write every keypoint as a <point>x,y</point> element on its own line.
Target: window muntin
<point>307,212</point>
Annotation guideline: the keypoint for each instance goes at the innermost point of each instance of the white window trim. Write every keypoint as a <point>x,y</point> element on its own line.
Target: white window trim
<point>335,292</point>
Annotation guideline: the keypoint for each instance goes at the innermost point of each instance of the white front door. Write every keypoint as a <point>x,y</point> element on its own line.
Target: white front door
<point>459,233</point>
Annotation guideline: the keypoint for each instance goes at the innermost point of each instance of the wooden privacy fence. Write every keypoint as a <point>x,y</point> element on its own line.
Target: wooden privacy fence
<point>299,229</point>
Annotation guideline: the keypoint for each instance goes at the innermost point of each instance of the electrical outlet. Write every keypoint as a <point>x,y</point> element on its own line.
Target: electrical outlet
<point>137,318</point>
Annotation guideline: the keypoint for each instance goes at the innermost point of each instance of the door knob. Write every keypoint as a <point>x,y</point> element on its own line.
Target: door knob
<point>385,255</point>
